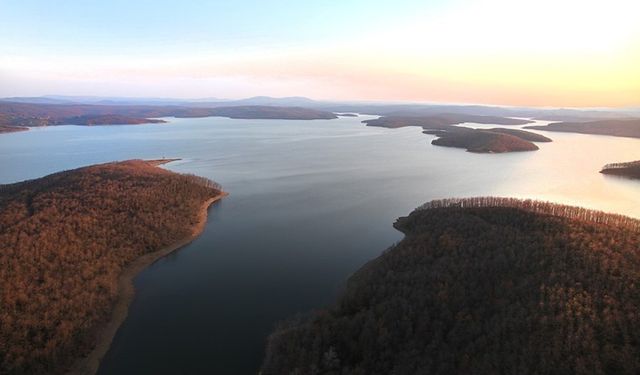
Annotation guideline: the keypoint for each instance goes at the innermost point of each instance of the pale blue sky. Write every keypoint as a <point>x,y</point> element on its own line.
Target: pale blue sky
<point>111,27</point>
<point>519,52</point>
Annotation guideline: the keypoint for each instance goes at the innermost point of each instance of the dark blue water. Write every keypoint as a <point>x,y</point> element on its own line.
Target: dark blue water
<point>309,203</point>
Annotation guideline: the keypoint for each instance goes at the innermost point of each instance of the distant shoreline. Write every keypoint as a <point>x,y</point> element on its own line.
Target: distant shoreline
<point>126,291</point>
<point>6,129</point>
<point>630,170</point>
<point>158,162</point>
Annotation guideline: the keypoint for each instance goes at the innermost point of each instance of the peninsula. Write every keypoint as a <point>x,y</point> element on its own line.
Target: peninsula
<point>12,129</point>
<point>72,243</point>
<point>495,140</point>
<point>615,127</point>
<point>441,121</point>
<point>482,285</point>
<point>18,114</point>
<point>629,169</point>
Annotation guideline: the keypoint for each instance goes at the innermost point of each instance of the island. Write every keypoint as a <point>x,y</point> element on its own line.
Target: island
<point>494,140</point>
<point>629,169</point>
<point>481,286</point>
<point>19,114</point>
<point>72,243</point>
<point>615,127</point>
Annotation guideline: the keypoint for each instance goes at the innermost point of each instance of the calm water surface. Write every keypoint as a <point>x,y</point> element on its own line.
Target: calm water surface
<point>311,201</point>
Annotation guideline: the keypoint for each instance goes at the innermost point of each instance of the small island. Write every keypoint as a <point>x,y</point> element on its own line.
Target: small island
<point>494,140</point>
<point>629,169</point>
<point>72,243</point>
<point>481,286</point>
<point>616,127</point>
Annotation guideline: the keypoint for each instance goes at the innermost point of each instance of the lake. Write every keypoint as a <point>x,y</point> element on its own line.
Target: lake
<point>310,202</point>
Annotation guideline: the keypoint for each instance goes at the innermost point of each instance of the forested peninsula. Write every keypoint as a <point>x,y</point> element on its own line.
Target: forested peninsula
<point>629,169</point>
<point>16,116</point>
<point>71,242</point>
<point>482,286</point>
<point>12,129</point>
<point>614,127</point>
<point>495,140</point>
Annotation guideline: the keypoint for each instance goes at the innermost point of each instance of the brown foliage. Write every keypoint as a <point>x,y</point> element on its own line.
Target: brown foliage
<point>441,121</point>
<point>482,286</point>
<point>615,127</point>
<point>31,114</point>
<point>629,169</point>
<point>481,141</point>
<point>66,237</point>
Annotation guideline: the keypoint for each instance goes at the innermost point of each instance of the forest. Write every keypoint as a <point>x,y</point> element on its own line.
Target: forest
<point>627,127</point>
<point>495,140</point>
<point>629,169</point>
<point>11,129</point>
<point>440,120</point>
<point>13,114</point>
<point>481,286</point>
<point>482,141</point>
<point>64,240</point>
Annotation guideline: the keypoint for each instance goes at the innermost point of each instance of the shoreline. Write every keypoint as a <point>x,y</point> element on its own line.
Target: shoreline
<point>159,162</point>
<point>89,364</point>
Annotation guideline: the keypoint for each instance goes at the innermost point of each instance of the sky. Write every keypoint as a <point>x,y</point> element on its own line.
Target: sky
<point>557,53</point>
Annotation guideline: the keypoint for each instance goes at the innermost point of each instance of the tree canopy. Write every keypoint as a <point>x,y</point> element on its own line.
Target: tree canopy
<point>482,286</point>
<point>64,240</point>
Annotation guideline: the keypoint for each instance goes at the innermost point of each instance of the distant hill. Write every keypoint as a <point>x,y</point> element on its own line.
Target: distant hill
<point>269,112</point>
<point>614,127</point>
<point>482,286</point>
<point>66,238</point>
<point>37,100</point>
<point>291,101</point>
<point>371,108</point>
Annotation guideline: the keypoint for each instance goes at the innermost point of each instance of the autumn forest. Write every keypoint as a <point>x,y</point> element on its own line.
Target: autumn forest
<point>64,240</point>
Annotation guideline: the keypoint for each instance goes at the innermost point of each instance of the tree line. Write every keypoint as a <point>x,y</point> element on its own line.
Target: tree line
<point>622,165</point>
<point>538,207</point>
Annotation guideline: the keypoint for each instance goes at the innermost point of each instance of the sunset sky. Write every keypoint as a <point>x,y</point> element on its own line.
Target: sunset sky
<point>532,52</point>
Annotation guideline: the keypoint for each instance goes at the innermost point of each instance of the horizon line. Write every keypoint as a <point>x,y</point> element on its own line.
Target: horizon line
<point>339,101</point>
